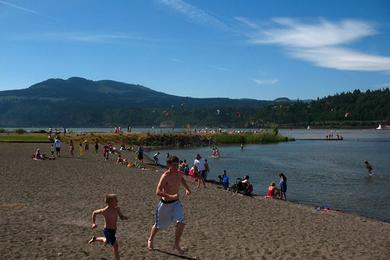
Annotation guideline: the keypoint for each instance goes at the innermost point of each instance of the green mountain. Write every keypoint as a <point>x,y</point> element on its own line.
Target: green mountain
<point>78,102</point>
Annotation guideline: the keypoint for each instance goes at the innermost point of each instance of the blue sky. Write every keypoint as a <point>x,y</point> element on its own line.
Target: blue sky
<point>227,48</point>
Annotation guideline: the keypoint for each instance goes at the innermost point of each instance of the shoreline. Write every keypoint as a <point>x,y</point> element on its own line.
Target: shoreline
<point>256,195</point>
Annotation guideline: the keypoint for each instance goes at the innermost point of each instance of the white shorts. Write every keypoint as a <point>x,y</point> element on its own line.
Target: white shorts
<point>169,213</point>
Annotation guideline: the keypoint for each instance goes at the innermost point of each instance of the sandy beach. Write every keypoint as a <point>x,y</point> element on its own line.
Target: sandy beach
<point>46,208</point>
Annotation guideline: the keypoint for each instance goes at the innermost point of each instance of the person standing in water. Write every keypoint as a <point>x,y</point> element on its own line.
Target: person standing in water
<point>169,210</point>
<point>369,168</point>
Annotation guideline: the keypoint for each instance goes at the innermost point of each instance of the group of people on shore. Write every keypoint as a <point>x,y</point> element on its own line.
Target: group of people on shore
<point>169,209</point>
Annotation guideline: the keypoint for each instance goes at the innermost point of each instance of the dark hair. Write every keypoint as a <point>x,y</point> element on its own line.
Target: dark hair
<point>283,176</point>
<point>172,159</point>
<point>110,197</point>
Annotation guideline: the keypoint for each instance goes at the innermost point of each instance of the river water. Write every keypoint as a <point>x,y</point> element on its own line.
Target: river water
<point>319,173</point>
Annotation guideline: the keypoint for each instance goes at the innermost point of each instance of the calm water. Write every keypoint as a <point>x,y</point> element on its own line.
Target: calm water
<point>320,173</point>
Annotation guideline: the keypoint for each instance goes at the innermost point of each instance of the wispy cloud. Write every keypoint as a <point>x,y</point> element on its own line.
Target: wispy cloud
<point>92,37</point>
<point>265,81</point>
<point>246,21</point>
<point>21,8</point>
<point>194,13</point>
<point>176,60</point>
<point>86,37</point>
<point>220,68</point>
<point>323,43</point>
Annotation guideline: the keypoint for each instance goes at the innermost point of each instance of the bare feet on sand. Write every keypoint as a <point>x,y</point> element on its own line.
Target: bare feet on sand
<point>181,251</point>
<point>150,244</point>
<point>93,239</point>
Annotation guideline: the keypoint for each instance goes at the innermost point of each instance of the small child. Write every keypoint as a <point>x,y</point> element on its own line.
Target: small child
<point>52,156</point>
<point>110,214</point>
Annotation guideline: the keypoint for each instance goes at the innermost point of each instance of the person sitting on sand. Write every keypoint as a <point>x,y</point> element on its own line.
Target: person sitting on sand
<point>37,155</point>
<point>272,191</point>
<point>170,210</point>
<point>369,168</point>
<point>110,214</point>
<point>247,186</point>
<point>121,160</point>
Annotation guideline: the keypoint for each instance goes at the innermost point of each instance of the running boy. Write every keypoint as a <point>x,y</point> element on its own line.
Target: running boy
<point>110,214</point>
<point>169,209</point>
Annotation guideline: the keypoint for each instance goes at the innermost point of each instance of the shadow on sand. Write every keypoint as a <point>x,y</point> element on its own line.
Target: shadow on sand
<point>177,255</point>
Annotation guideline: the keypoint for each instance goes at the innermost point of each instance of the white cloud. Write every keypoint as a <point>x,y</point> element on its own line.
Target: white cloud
<point>246,22</point>
<point>324,33</point>
<point>322,43</point>
<point>18,7</point>
<point>343,59</point>
<point>265,81</point>
<point>194,13</point>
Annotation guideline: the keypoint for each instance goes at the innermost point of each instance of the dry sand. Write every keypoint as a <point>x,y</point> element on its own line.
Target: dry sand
<point>45,211</point>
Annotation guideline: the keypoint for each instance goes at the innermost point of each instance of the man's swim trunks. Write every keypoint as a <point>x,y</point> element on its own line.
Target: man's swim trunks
<point>169,212</point>
<point>109,234</point>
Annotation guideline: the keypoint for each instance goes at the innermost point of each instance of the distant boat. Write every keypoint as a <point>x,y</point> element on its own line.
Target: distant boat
<point>308,127</point>
<point>379,127</point>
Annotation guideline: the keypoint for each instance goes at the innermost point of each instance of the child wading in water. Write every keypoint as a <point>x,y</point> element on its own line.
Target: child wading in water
<point>110,214</point>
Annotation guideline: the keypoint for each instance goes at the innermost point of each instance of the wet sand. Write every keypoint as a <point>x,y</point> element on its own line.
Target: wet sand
<point>46,206</point>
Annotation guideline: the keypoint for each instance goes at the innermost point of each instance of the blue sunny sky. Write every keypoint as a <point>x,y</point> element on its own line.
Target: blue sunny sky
<point>200,48</point>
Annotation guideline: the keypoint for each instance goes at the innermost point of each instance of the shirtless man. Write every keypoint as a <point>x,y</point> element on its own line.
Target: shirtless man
<point>169,209</point>
<point>110,214</point>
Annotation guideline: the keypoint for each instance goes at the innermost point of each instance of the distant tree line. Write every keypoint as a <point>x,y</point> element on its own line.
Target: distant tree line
<point>346,109</point>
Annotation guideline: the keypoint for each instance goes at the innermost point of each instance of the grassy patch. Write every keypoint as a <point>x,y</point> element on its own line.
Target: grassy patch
<point>27,138</point>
